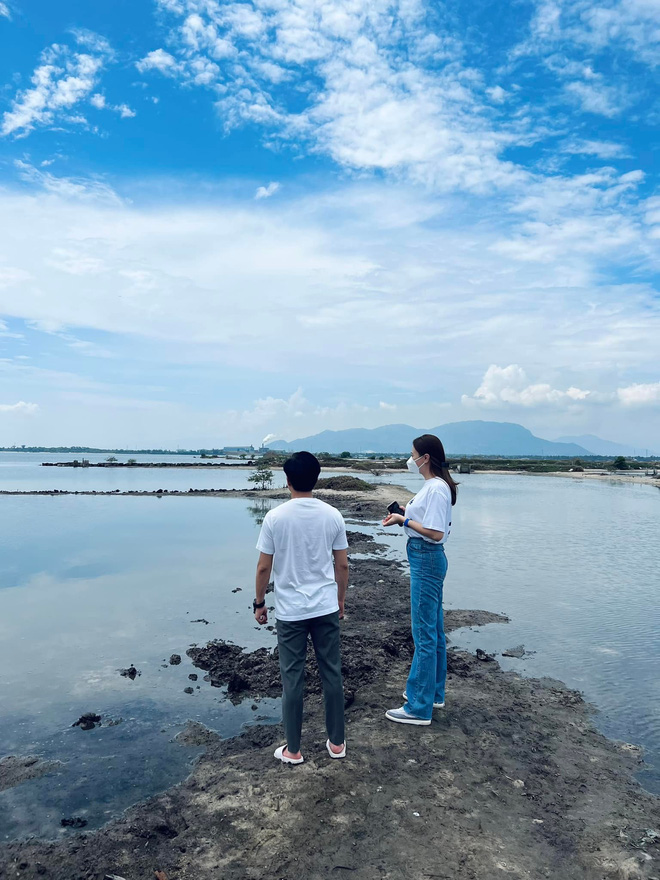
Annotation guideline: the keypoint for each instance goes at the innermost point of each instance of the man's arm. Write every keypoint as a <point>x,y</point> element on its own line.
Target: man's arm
<point>264,568</point>
<point>341,576</point>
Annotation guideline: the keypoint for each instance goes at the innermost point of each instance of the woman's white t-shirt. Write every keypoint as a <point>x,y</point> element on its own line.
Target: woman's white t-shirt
<point>300,535</point>
<point>431,507</point>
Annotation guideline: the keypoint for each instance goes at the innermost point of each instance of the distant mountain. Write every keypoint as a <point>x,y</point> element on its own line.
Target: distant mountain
<point>459,438</point>
<point>598,446</point>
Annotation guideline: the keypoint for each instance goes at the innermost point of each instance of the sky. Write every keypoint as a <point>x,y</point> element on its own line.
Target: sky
<point>221,221</point>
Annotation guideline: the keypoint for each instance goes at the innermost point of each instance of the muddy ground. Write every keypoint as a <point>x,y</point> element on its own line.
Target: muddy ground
<point>510,780</point>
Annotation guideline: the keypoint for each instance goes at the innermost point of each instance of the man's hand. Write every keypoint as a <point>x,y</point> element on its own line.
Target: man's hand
<point>341,609</point>
<point>264,568</point>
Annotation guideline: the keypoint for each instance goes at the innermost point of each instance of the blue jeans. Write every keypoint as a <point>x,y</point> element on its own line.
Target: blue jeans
<point>428,673</point>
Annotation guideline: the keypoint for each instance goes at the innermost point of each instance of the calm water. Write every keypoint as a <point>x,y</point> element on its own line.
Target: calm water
<point>89,585</point>
<point>22,471</point>
<point>574,564</point>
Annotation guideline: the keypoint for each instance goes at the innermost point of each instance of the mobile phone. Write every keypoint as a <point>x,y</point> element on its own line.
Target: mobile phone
<point>395,507</point>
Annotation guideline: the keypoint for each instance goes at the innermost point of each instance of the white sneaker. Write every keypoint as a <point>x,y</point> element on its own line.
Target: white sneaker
<point>435,705</point>
<point>403,717</point>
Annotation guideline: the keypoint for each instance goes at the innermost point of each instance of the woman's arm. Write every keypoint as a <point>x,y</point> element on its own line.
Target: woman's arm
<point>395,519</point>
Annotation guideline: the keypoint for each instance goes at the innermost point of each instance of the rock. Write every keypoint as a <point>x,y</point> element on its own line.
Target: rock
<point>15,769</point>
<point>88,721</point>
<point>193,676</point>
<point>175,659</point>
<point>130,672</point>
<point>197,734</point>
<point>73,822</point>
<point>189,690</point>
<point>237,683</point>
<point>517,652</point>
<point>200,620</point>
<point>482,655</point>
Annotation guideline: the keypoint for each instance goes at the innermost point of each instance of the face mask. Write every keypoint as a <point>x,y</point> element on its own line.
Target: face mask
<point>412,467</point>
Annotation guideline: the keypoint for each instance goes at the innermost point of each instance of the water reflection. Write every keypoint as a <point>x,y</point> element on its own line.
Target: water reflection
<point>260,508</point>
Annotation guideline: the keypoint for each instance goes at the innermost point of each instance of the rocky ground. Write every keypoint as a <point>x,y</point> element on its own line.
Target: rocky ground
<point>510,780</point>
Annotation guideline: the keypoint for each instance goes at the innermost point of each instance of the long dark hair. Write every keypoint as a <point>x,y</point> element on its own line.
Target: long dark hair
<point>431,445</point>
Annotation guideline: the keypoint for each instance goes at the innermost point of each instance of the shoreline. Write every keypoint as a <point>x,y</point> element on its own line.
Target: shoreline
<point>600,476</point>
<point>511,779</point>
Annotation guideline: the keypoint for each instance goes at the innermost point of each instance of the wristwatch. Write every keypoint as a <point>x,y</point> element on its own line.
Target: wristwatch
<point>256,604</point>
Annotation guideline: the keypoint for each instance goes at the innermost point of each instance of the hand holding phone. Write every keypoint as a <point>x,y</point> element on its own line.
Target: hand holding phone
<point>395,507</point>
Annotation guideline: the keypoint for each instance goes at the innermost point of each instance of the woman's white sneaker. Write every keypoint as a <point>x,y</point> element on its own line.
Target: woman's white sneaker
<point>403,717</point>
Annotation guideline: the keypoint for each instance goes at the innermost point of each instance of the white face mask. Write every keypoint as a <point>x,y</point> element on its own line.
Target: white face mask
<point>411,464</point>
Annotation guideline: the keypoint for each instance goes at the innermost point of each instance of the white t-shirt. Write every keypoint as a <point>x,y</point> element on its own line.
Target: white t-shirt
<point>301,535</point>
<point>432,508</point>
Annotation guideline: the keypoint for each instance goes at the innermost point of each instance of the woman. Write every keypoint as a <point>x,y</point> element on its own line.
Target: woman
<point>427,522</point>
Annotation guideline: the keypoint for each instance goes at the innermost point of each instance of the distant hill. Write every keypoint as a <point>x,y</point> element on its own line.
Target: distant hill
<point>459,438</point>
<point>598,446</point>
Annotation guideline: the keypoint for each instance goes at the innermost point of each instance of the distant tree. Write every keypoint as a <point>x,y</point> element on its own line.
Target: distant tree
<point>132,461</point>
<point>111,459</point>
<point>620,464</point>
<point>345,455</point>
<point>262,476</point>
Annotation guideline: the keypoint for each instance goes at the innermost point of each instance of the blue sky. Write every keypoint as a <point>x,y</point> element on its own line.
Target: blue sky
<point>220,221</point>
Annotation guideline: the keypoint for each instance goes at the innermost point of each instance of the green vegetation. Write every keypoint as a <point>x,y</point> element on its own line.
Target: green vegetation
<point>344,484</point>
<point>262,476</point>
<point>619,464</point>
<point>345,455</point>
<point>111,459</point>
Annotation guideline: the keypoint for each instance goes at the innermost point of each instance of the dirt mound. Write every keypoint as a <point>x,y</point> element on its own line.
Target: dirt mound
<point>344,484</point>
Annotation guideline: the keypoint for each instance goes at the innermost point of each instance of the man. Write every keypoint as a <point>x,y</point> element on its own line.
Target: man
<point>303,542</point>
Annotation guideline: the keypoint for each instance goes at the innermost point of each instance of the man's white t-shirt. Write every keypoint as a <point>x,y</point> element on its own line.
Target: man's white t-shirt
<point>432,508</point>
<point>300,535</point>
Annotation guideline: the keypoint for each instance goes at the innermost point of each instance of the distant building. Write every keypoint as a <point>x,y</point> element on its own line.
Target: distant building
<point>232,450</point>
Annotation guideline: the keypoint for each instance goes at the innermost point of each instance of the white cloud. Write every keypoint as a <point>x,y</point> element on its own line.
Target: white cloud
<point>265,192</point>
<point>352,277</point>
<point>510,386</point>
<point>125,111</point>
<point>387,406</point>
<point>370,105</point>
<point>600,149</point>
<point>159,60</point>
<point>497,94</point>
<point>62,80</point>
<point>80,188</point>
<point>633,25</point>
<point>595,97</point>
<point>21,408</point>
<point>99,101</point>
<point>4,11</point>
<point>640,394</point>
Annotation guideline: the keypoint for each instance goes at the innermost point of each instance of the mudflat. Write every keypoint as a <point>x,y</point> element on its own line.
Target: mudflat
<point>510,780</point>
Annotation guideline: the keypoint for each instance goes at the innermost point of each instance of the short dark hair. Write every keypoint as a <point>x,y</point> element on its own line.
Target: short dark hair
<point>302,471</point>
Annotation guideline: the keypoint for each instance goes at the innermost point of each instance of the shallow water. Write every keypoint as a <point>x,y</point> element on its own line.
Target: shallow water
<point>23,472</point>
<point>574,565</point>
<point>89,585</point>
